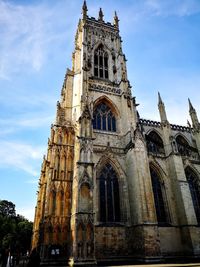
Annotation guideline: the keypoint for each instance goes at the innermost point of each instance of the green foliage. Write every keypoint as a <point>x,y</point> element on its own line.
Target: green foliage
<point>15,230</point>
<point>7,208</point>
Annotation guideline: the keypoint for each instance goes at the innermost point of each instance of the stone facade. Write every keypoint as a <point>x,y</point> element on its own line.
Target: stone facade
<point>114,186</point>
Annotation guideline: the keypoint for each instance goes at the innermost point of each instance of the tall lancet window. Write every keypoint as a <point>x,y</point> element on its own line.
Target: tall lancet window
<point>103,118</point>
<point>109,195</point>
<point>159,198</point>
<point>100,63</point>
<point>194,186</point>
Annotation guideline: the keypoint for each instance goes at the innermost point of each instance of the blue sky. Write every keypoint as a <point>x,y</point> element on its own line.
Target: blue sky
<point>161,40</point>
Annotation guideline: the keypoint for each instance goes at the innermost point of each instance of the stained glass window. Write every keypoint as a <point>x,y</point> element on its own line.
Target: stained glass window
<point>103,118</point>
<point>100,63</point>
<point>194,190</point>
<point>183,146</point>
<point>109,195</point>
<point>154,143</point>
<point>158,192</point>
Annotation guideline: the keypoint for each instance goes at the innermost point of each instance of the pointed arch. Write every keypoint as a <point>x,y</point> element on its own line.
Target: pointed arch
<point>160,200</point>
<point>101,62</point>
<point>100,42</point>
<point>154,142</point>
<point>182,145</point>
<point>53,201</point>
<point>108,157</point>
<point>124,210</point>
<point>109,202</point>
<point>194,185</point>
<point>109,103</point>
<point>105,115</point>
<point>60,201</point>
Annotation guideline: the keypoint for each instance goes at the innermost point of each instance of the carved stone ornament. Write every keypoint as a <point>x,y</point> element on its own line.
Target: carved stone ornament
<point>103,88</point>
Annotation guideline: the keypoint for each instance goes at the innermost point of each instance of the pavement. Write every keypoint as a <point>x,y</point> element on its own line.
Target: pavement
<point>154,265</point>
<point>23,264</point>
<point>160,265</point>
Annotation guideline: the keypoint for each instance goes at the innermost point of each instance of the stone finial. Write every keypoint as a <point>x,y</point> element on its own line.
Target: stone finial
<point>190,105</point>
<point>84,10</point>
<point>194,117</point>
<point>161,107</point>
<point>116,20</point>
<point>188,123</point>
<point>100,15</point>
<point>159,99</point>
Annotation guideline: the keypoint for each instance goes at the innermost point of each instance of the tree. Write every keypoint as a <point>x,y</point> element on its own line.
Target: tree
<point>15,230</point>
<point>7,208</point>
<point>24,234</point>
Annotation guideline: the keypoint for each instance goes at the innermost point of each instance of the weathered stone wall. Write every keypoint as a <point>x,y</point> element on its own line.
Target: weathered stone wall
<point>68,206</point>
<point>110,242</point>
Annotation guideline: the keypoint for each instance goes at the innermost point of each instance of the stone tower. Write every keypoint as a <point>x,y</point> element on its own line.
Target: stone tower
<point>114,186</point>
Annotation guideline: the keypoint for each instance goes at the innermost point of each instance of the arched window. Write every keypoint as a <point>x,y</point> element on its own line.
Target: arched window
<point>154,143</point>
<point>100,63</point>
<point>109,195</point>
<point>194,190</point>
<point>159,198</point>
<point>183,146</point>
<point>103,118</point>
<point>53,208</point>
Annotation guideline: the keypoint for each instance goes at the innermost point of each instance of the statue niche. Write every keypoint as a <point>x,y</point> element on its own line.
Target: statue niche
<point>85,198</point>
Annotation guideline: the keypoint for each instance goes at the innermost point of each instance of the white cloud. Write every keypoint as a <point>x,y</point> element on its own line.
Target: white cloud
<point>173,7</point>
<point>175,87</point>
<point>34,122</point>
<point>27,33</point>
<point>34,181</point>
<point>16,123</point>
<point>27,212</point>
<point>134,15</point>
<point>20,156</point>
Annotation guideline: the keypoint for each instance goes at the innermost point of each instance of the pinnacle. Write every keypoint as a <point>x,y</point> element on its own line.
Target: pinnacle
<point>84,5</point>
<point>100,14</point>
<point>159,99</point>
<point>116,20</point>
<point>84,10</point>
<point>190,105</point>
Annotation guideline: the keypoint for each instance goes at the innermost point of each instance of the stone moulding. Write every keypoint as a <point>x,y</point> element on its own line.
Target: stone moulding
<point>100,88</point>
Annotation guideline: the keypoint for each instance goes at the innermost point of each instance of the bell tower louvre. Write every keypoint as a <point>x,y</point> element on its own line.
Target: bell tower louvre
<point>113,186</point>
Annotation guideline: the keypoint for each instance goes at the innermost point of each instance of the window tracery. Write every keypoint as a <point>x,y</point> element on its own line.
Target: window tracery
<point>159,198</point>
<point>109,195</point>
<point>184,148</point>
<point>100,63</point>
<point>103,118</point>
<point>194,190</point>
<point>154,143</point>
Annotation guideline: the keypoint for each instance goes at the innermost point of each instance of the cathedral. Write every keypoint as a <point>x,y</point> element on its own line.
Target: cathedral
<point>114,187</point>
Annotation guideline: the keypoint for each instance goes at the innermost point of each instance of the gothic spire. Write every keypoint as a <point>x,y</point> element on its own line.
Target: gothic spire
<point>100,15</point>
<point>190,106</point>
<point>116,20</point>
<point>84,10</point>
<point>159,99</point>
<point>193,115</point>
<point>162,110</point>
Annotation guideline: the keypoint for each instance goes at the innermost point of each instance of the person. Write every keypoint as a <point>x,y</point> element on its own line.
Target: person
<point>4,257</point>
<point>34,259</point>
